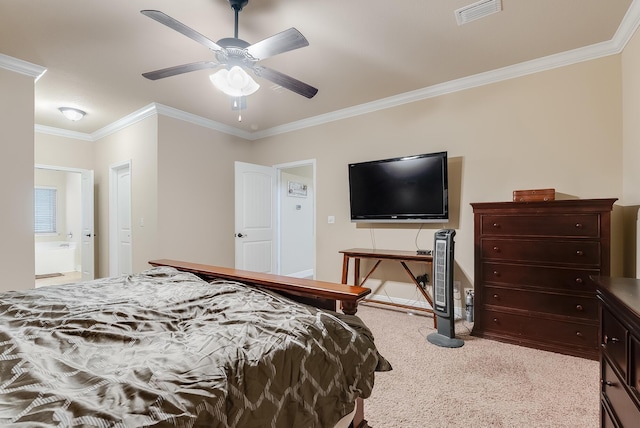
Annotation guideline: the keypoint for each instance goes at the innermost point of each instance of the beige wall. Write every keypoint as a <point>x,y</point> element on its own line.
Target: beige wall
<point>16,180</point>
<point>631,121</point>
<point>66,152</point>
<point>559,129</point>
<point>196,192</point>
<point>631,153</point>
<point>137,143</point>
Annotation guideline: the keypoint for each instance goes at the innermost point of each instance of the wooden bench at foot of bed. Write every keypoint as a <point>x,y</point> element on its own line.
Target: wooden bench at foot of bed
<point>320,294</point>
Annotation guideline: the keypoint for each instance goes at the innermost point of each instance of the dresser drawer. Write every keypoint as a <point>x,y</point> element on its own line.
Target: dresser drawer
<point>614,340</point>
<point>557,278</point>
<point>622,405</point>
<point>563,333</point>
<point>585,308</point>
<point>571,225</point>
<point>583,253</point>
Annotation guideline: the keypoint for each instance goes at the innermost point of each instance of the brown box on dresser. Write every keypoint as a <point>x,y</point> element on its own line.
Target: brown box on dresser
<point>533,262</point>
<point>620,351</point>
<point>534,195</point>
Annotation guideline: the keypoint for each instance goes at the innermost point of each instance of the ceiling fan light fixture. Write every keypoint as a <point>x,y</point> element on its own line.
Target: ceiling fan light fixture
<point>234,82</point>
<point>72,114</point>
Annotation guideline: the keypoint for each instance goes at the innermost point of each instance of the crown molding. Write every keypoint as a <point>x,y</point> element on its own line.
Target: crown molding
<point>506,73</point>
<point>130,119</point>
<point>50,130</point>
<point>628,26</point>
<point>22,67</point>
<point>141,114</point>
<point>201,121</point>
<point>138,115</point>
<point>616,45</point>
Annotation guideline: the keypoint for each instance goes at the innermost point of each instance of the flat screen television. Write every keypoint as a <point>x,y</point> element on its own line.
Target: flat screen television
<point>410,189</point>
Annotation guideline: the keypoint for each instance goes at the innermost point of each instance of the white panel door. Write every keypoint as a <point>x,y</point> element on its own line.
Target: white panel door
<point>88,246</point>
<point>124,220</point>
<point>255,217</point>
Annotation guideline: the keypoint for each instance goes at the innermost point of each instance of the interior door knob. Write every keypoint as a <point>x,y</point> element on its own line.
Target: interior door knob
<point>240,235</point>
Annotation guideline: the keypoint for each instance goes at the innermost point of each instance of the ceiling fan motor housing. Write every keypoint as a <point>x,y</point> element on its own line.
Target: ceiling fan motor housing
<point>234,53</point>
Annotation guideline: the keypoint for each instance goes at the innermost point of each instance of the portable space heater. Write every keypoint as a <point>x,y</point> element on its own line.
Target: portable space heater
<point>443,307</point>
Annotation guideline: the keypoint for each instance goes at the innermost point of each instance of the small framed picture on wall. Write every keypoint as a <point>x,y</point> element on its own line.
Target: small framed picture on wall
<point>296,189</point>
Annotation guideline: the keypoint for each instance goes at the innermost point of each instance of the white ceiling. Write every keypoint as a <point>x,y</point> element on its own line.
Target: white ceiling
<point>360,51</point>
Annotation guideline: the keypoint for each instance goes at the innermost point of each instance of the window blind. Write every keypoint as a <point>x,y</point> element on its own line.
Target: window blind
<point>45,204</point>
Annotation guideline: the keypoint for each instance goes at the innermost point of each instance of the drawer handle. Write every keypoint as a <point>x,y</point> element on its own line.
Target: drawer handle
<point>496,273</point>
<point>608,339</point>
<point>495,296</point>
<point>497,249</point>
<point>578,333</point>
<point>496,224</point>
<point>578,225</point>
<point>579,307</point>
<point>579,253</point>
<point>495,320</point>
<point>579,280</point>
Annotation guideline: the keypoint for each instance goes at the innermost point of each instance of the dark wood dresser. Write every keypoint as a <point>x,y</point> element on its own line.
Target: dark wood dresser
<point>620,357</point>
<point>533,262</point>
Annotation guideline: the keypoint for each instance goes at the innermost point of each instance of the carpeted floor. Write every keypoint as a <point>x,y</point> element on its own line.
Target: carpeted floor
<point>482,384</point>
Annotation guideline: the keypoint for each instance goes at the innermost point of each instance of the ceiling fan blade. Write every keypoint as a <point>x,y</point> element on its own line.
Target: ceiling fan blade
<point>165,19</point>
<point>179,69</point>
<point>285,41</point>
<point>285,81</point>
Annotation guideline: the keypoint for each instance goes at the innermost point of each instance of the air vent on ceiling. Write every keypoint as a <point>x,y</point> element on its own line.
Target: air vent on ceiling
<point>477,10</point>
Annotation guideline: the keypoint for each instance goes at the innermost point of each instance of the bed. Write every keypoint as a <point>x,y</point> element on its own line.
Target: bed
<point>185,345</point>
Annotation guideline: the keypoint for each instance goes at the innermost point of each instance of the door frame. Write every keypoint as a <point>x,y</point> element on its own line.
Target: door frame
<point>78,171</point>
<point>113,214</point>
<point>279,183</point>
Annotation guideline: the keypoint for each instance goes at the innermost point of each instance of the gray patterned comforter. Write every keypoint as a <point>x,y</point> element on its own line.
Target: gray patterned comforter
<point>164,348</point>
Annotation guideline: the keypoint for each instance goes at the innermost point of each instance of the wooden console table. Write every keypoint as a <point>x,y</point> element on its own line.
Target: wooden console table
<point>379,255</point>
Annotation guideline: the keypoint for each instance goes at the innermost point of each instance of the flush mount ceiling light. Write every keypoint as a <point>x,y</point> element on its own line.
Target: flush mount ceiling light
<point>234,82</point>
<point>71,113</point>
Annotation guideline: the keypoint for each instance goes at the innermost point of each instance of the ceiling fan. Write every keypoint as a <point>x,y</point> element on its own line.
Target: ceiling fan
<point>232,51</point>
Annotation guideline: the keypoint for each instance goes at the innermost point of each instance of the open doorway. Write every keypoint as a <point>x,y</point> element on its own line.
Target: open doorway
<point>296,219</point>
<point>63,228</point>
